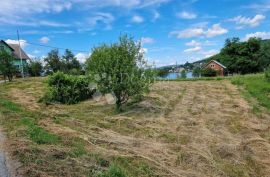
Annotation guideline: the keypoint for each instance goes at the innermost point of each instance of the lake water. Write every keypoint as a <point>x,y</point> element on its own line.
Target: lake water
<point>177,75</point>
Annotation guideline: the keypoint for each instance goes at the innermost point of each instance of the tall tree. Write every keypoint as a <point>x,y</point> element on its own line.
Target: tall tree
<point>53,61</point>
<point>72,65</point>
<point>7,67</point>
<point>35,68</point>
<point>120,69</point>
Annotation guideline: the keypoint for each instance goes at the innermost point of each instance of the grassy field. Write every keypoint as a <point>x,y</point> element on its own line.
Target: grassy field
<point>202,128</point>
<point>254,86</point>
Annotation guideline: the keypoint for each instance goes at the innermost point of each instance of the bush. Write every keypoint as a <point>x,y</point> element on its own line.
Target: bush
<point>208,72</point>
<point>113,171</point>
<point>67,89</point>
<point>267,74</point>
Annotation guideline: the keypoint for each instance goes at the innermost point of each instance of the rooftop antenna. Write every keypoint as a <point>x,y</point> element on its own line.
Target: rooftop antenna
<point>20,52</point>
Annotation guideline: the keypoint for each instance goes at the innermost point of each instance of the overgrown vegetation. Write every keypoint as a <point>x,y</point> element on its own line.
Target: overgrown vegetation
<point>35,68</point>
<point>267,74</point>
<point>257,86</point>
<point>67,89</point>
<point>66,63</point>
<point>7,67</point>
<point>120,69</point>
<point>208,72</point>
<point>251,56</point>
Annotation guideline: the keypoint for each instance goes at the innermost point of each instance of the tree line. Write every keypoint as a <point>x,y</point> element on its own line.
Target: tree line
<point>54,62</point>
<point>246,57</point>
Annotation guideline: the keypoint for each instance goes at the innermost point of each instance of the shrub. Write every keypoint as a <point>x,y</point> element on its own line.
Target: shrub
<point>67,89</point>
<point>208,72</point>
<point>114,171</point>
<point>267,74</point>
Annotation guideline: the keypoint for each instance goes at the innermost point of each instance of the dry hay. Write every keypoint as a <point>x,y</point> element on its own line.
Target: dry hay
<point>202,128</point>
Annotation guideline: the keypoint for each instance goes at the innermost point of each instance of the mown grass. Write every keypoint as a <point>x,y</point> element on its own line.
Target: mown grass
<point>254,86</point>
<point>43,153</point>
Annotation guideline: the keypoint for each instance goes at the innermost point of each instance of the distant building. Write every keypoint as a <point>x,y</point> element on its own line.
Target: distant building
<point>14,50</point>
<point>215,65</point>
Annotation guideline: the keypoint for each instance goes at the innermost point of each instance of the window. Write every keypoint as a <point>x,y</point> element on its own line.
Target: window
<point>1,48</point>
<point>212,65</point>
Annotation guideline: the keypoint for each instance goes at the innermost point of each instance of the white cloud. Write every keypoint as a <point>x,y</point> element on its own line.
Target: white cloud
<point>188,33</point>
<point>143,50</point>
<point>147,40</point>
<point>215,30</point>
<point>193,43</point>
<point>262,35</point>
<point>44,40</point>
<point>156,16</point>
<point>23,43</point>
<point>259,7</point>
<point>137,19</point>
<point>31,56</point>
<point>193,50</point>
<point>103,18</point>
<point>186,15</point>
<point>82,57</point>
<point>131,4</point>
<point>209,53</point>
<point>245,21</point>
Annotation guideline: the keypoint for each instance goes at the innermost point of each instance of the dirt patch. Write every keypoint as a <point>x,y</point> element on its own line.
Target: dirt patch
<point>24,98</point>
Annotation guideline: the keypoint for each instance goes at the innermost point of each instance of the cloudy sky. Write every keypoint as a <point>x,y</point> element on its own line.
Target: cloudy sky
<point>170,30</point>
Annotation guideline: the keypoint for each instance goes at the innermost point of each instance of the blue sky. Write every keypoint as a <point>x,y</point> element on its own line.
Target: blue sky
<point>170,30</point>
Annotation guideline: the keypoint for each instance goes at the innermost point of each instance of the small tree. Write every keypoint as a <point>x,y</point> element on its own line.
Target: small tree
<point>120,69</point>
<point>183,74</point>
<point>7,67</point>
<point>35,68</point>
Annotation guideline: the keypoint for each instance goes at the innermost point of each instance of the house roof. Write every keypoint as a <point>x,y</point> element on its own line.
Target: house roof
<point>216,63</point>
<point>16,52</point>
<point>2,41</point>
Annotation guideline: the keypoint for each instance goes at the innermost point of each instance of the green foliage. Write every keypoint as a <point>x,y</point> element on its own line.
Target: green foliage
<point>120,69</point>
<point>256,86</point>
<point>114,171</point>
<point>66,63</point>
<point>251,56</point>
<point>67,89</point>
<point>35,68</point>
<point>267,74</point>
<point>53,62</point>
<point>7,67</point>
<point>208,72</point>
<point>162,72</point>
<point>196,72</point>
<point>183,74</point>
<point>71,64</point>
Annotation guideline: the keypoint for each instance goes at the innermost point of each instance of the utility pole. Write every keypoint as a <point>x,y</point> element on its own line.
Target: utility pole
<point>20,51</point>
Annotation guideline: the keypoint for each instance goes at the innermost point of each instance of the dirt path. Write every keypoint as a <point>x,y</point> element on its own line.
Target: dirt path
<point>4,172</point>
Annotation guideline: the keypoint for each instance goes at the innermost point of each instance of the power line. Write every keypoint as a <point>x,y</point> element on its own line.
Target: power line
<point>48,46</point>
<point>53,47</point>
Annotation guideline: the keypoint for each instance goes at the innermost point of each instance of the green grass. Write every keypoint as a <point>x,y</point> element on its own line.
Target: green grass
<point>38,134</point>
<point>256,86</point>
